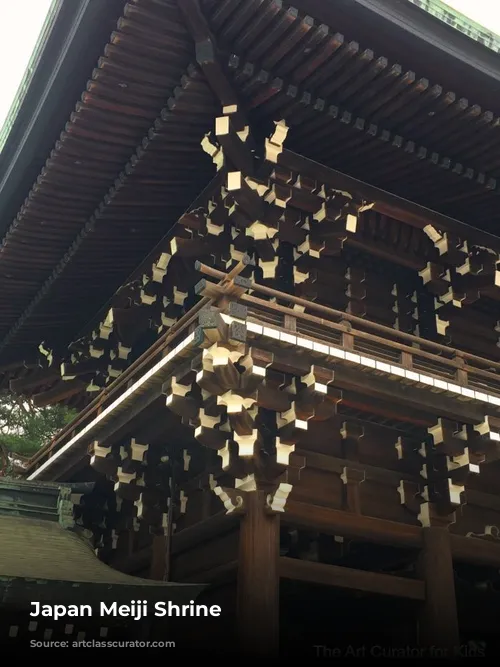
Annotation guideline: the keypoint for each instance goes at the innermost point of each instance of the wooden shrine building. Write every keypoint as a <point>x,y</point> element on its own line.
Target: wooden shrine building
<point>261,257</point>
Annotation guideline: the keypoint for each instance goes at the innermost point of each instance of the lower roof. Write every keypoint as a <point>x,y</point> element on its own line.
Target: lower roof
<point>38,549</point>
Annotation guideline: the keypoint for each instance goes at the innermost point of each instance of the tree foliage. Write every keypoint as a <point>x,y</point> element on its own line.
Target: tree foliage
<point>25,428</point>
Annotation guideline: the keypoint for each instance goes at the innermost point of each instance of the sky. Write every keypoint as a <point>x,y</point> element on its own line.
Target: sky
<point>21,22</point>
<point>485,12</point>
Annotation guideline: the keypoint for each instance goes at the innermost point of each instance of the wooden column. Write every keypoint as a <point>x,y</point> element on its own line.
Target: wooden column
<point>258,579</point>
<point>438,625</point>
<point>158,565</point>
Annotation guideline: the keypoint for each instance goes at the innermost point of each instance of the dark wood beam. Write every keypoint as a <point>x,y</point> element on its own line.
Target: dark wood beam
<point>36,378</point>
<point>370,529</point>
<point>338,522</point>
<point>216,575</point>
<point>475,550</point>
<point>386,203</point>
<point>206,52</point>
<point>413,397</point>
<point>61,392</point>
<point>346,577</point>
<point>202,531</point>
<point>188,538</point>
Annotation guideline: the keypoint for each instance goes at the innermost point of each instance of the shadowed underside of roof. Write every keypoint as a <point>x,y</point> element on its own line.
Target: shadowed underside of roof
<point>129,160</point>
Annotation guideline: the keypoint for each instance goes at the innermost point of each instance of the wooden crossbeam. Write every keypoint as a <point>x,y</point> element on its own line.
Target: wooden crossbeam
<point>338,522</point>
<point>382,531</point>
<point>206,53</point>
<point>346,577</point>
<point>327,575</point>
<point>36,378</point>
<point>60,392</point>
<point>385,203</point>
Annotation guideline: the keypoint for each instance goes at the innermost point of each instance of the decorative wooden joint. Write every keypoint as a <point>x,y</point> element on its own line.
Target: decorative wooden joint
<point>160,267</point>
<point>138,451</point>
<point>183,499</point>
<point>283,452</point>
<point>140,506</point>
<point>430,516</point>
<point>96,352</point>
<point>215,329</point>
<point>351,433</point>
<point>228,354</point>
<point>177,389</point>
<point>274,144</point>
<point>102,458</point>
<point>253,374</point>
<point>227,456</point>
<point>269,268</point>
<point>276,501</point>
<point>352,479</point>
<point>489,427</point>
<point>436,278</point>
<point>234,403</point>
<point>232,499</point>
<point>247,484</point>
<point>448,437</point>
<point>295,465</point>
<point>407,450</point>
<point>128,486</point>
<point>211,431</point>
<point>290,428</point>
<point>186,460</point>
<point>410,496</point>
<point>316,397</point>
<point>441,326</point>
<point>247,444</point>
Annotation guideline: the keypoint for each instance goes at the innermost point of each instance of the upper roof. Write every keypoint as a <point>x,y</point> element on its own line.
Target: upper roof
<point>459,21</point>
<point>376,88</point>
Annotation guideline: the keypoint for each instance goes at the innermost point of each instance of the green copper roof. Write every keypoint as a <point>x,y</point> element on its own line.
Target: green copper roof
<point>456,20</point>
<point>28,75</point>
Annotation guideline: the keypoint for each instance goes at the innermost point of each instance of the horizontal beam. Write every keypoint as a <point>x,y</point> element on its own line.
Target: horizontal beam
<point>346,577</point>
<point>381,531</point>
<point>203,531</point>
<point>325,575</point>
<point>387,203</point>
<point>338,522</point>
<point>60,392</point>
<point>37,377</point>
<point>188,538</point>
<point>216,575</point>
<point>475,550</point>
<point>407,395</point>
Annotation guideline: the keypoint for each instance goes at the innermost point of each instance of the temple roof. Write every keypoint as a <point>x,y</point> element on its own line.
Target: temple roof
<point>376,89</point>
<point>40,542</point>
<point>38,549</point>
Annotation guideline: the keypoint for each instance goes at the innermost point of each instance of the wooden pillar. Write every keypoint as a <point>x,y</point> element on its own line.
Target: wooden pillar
<point>158,566</point>
<point>438,625</point>
<point>258,579</point>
